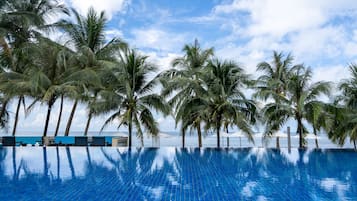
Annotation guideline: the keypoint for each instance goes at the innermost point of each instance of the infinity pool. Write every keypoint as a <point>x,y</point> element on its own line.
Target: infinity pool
<point>95,173</point>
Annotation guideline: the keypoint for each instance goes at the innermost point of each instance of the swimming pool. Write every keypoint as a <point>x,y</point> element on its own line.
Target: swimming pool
<point>106,173</point>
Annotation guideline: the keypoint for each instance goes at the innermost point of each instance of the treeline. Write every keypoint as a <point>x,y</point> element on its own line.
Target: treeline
<point>202,92</point>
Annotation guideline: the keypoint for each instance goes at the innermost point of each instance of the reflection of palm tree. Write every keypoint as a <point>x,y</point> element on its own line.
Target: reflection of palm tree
<point>45,164</point>
<point>68,151</point>
<point>260,171</point>
<point>3,153</point>
<point>89,158</point>
<point>58,163</point>
<point>14,161</point>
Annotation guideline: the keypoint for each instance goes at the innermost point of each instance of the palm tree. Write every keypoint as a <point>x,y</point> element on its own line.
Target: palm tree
<point>20,23</point>
<point>272,84</point>
<point>131,95</point>
<point>346,114</point>
<point>300,100</point>
<point>318,117</point>
<point>87,35</point>
<point>226,101</point>
<point>341,121</point>
<point>49,76</point>
<point>185,82</point>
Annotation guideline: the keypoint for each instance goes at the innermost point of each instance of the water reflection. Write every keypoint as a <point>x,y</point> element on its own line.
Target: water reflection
<point>94,173</point>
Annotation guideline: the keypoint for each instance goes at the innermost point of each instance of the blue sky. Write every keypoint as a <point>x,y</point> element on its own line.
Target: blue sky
<point>320,33</point>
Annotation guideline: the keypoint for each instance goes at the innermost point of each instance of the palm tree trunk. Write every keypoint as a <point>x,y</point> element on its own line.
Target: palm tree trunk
<point>5,46</point>
<point>88,123</point>
<point>130,129</point>
<point>59,116</point>
<point>16,116</point>
<point>354,144</point>
<point>199,134</point>
<point>3,108</point>
<point>316,141</point>
<point>68,127</point>
<point>50,103</point>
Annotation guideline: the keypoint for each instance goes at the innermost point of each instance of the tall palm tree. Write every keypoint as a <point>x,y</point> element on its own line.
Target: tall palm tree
<point>340,121</point>
<point>185,83</point>
<point>87,33</point>
<point>49,76</point>
<point>300,100</point>
<point>272,84</point>
<point>318,117</point>
<point>346,114</point>
<point>20,24</point>
<point>226,101</point>
<point>131,95</point>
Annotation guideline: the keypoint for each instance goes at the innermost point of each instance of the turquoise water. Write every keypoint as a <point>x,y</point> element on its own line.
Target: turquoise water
<point>106,173</point>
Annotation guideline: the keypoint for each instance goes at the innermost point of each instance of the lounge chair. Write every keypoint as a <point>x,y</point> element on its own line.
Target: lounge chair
<point>98,141</point>
<point>80,141</point>
<point>8,141</point>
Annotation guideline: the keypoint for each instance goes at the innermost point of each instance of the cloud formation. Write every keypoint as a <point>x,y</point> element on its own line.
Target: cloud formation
<point>111,7</point>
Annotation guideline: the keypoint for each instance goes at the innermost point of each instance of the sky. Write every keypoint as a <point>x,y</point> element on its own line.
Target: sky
<point>321,34</point>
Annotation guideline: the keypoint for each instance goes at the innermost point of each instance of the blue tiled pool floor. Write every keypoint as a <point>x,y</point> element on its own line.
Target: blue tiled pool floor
<point>105,173</point>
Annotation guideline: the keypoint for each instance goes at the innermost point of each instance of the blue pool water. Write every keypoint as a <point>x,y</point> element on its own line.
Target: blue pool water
<point>106,173</point>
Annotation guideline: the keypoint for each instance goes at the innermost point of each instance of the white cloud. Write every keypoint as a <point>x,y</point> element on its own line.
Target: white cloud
<point>312,44</point>
<point>248,58</point>
<point>111,33</point>
<point>109,6</point>
<point>158,39</point>
<point>351,45</point>
<point>279,17</point>
<point>162,61</point>
<point>331,73</point>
